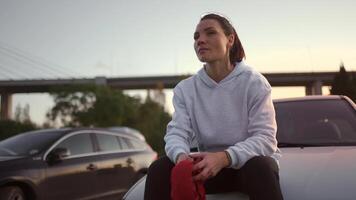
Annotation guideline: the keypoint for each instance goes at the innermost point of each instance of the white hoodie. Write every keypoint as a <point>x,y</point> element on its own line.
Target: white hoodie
<point>235,114</point>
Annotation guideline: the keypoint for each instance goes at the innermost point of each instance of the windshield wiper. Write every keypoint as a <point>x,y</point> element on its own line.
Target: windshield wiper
<point>288,144</point>
<point>325,144</point>
<point>8,151</point>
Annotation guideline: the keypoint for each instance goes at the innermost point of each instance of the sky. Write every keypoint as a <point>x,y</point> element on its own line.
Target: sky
<point>116,38</point>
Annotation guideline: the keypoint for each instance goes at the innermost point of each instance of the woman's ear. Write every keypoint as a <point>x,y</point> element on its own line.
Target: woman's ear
<point>231,40</point>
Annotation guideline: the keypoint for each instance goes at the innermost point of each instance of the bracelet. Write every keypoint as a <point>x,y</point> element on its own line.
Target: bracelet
<point>228,157</point>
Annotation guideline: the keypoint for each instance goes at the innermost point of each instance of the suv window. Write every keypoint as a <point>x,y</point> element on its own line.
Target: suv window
<point>78,144</point>
<point>108,142</point>
<point>125,143</point>
<point>137,145</point>
<point>131,144</point>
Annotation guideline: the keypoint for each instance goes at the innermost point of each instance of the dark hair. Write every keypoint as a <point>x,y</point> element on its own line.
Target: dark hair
<point>237,52</point>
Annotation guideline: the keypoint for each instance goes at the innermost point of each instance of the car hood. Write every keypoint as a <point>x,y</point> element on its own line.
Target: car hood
<point>310,173</point>
<point>6,158</point>
<point>318,173</point>
<point>137,193</point>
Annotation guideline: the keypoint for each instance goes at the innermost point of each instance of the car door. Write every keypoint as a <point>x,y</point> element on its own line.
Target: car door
<point>115,166</point>
<point>74,176</point>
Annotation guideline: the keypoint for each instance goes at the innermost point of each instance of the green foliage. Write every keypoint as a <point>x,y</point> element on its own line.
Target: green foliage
<point>92,105</point>
<point>10,127</point>
<point>100,106</point>
<point>21,123</point>
<point>152,122</point>
<point>344,84</point>
<point>69,103</point>
<point>22,114</point>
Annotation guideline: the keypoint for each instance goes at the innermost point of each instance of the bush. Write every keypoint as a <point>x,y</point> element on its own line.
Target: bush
<point>10,128</point>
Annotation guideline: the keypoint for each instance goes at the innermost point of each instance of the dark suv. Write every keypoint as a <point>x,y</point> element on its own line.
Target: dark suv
<point>67,164</point>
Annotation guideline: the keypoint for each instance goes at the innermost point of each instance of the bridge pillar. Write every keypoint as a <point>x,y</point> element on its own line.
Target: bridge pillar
<point>315,88</point>
<point>6,105</point>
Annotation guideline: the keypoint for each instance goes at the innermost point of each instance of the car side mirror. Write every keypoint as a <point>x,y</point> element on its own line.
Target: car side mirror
<point>58,154</point>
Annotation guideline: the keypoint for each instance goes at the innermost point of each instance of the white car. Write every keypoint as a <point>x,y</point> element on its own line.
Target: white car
<point>317,137</point>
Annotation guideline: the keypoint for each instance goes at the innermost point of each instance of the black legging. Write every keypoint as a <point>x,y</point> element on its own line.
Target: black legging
<point>258,178</point>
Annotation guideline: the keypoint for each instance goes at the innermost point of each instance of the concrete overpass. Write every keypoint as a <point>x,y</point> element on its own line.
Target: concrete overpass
<point>312,81</point>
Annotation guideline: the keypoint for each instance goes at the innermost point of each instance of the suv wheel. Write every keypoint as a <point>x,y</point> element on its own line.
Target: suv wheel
<point>11,193</point>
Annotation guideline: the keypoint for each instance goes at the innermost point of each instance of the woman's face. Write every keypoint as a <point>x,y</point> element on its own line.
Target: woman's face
<point>210,42</point>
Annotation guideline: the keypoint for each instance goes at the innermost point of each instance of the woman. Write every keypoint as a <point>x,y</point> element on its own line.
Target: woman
<point>226,111</point>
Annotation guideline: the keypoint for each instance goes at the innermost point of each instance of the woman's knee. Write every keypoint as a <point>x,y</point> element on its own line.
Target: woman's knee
<point>262,163</point>
<point>158,179</point>
<point>161,165</point>
<point>262,178</point>
<point>262,167</point>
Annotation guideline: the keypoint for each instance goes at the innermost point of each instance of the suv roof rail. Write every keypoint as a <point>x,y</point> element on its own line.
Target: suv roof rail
<point>127,130</point>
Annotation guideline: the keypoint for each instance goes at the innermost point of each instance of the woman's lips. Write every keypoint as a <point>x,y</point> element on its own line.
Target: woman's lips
<point>202,50</point>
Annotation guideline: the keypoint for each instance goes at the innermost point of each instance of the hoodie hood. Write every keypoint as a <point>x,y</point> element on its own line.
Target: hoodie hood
<point>238,69</point>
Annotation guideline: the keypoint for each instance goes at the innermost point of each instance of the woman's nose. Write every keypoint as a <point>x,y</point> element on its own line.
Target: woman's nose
<point>201,40</point>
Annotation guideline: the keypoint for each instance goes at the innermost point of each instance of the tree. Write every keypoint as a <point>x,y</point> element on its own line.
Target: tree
<point>22,114</point>
<point>21,123</point>
<point>69,101</point>
<point>354,87</point>
<point>344,84</point>
<point>92,105</point>
<point>100,106</point>
<point>152,122</point>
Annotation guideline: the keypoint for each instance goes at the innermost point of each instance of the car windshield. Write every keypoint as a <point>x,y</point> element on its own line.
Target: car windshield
<point>29,143</point>
<point>316,123</point>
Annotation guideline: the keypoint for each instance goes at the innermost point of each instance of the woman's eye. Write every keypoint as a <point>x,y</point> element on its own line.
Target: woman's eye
<point>211,32</point>
<point>196,36</point>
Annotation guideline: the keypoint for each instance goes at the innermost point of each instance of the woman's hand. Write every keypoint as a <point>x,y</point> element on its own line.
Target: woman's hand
<point>209,165</point>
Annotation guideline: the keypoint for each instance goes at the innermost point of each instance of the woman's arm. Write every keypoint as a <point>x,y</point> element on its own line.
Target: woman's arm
<point>179,130</point>
<point>262,129</point>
